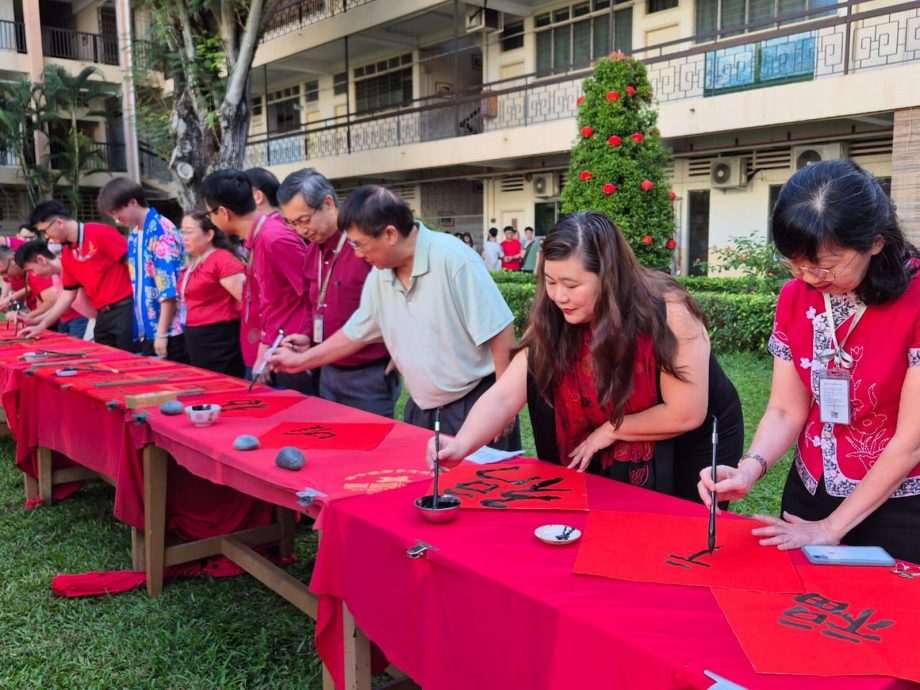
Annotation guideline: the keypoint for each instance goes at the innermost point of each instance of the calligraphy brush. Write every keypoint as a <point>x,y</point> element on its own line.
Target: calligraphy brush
<point>712,494</point>
<point>260,366</point>
<point>437,454</point>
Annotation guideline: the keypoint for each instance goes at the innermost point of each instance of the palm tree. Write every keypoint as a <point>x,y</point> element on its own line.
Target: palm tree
<point>20,119</point>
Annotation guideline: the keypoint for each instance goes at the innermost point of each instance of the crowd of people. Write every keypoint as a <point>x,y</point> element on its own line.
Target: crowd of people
<point>615,366</point>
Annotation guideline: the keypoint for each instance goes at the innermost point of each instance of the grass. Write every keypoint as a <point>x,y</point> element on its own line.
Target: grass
<point>201,633</point>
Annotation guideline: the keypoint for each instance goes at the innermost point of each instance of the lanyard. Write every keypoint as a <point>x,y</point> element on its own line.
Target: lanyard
<point>837,354</point>
<point>249,267</point>
<point>78,253</point>
<point>192,268</point>
<point>321,301</point>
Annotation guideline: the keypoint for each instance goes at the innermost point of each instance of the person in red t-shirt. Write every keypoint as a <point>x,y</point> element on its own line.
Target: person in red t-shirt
<point>93,258</point>
<point>37,259</point>
<point>27,290</point>
<point>210,291</point>
<point>512,250</point>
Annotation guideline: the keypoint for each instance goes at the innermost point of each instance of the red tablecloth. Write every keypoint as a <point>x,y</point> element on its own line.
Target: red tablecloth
<point>493,607</point>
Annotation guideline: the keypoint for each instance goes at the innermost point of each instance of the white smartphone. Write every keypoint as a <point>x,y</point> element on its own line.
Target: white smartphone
<point>848,555</point>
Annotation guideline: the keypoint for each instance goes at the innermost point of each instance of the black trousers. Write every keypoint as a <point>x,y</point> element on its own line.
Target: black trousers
<point>216,347</point>
<point>115,326</point>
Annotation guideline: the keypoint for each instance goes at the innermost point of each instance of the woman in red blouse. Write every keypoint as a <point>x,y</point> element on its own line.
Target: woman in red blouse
<point>846,374</point>
<point>210,288</point>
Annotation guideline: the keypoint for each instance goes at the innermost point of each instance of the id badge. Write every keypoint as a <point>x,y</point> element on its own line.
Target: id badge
<point>317,329</point>
<point>834,396</point>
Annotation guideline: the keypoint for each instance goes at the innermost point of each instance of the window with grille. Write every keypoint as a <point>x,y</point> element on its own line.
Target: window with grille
<point>570,37</point>
<point>340,83</point>
<point>659,5</point>
<point>384,84</point>
<point>513,36</point>
<point>311,91</point>
<point>730,16</point>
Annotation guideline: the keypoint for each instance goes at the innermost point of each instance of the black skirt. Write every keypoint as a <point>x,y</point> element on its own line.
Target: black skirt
<point>216,347</point>
<point>894,525</point>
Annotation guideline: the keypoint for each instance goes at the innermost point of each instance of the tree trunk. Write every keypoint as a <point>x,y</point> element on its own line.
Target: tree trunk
<point>234,127</point>
<point>193,152</point>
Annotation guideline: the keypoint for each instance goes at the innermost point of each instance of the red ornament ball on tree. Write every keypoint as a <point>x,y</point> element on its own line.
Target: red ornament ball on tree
<point>586,175</point>
<point>646,185</point>
<point>672,196</point>
<point>613,95</point>
<point>647,240</point>
<point>670,244</point>
<point>580,100</point>
<point>587,131</point>
<point>609,188</point>
<point>638,138</point>
<point>630,91</point>
<point>614,140</point>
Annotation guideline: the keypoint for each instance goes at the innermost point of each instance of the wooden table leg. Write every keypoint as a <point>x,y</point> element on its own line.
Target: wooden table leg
<point>31,487</point>
<point>285,517</point>
<point>155,465</point>
<point>44,474</point>
<point>137,549</point>
<point>357,654</point>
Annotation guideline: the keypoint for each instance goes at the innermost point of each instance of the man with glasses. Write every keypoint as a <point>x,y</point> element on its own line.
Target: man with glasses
<point>276,294</point>
<point>94,257</point>
<point>336,276</point>
<point>431,302</point>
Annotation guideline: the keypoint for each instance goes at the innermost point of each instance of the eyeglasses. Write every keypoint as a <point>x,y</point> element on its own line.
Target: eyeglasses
<point>47,225</point>
<point>303,222</point>
<point>359,246</point>
<point>213,210</point>
<point>820,274</point>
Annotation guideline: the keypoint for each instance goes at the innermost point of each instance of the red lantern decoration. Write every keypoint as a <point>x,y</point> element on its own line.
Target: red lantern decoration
<point>586,175</point>
<point>638,138</point>
<point>587,131</point>
<point>614,140</point>
<point>647,240</point>
<point>670,244</point>
<point>672,196</point>
<point>630,91</point>
<point>580,100</point>
<point>609,188</point>
<point>613,95</point>
<point>646,185</point>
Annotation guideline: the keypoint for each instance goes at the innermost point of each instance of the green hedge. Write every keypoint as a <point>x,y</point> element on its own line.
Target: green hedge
<point>738,320</point>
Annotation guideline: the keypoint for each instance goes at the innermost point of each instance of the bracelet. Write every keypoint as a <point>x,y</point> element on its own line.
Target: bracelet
<point>161,335</point>
<point>758,459</point>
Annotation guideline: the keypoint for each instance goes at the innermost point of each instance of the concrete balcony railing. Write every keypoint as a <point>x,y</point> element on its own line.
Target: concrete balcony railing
<point>12,36</point>
<point>826,47</point>
<point>292,15</point>
<point>78,45</point>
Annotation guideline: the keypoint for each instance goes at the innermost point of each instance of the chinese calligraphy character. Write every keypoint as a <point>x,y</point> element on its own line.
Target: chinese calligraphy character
<point>816,610</point>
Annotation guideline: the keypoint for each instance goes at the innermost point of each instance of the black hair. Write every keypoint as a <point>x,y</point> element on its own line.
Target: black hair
<point>265,182</point>
<point>117,193</point>
<point>836,204</point>
<point>493,232</point>
<point>220,238</point>
<point>372,208</point>
<point>47,210</point>
<point>27,253</point>
<point>230,189</point>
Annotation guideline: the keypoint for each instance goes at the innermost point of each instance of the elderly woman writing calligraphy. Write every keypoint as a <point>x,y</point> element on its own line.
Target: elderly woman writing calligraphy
<point>846,375</point>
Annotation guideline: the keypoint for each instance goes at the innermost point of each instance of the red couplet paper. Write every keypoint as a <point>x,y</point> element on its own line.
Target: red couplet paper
<point>326,435</point>
<point>671,549</point>
<point>848,628</point>
<point>252,405</point>
<point>516,486</point>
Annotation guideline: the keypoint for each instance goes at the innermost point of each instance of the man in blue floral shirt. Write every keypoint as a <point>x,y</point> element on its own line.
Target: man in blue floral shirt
<point>155,257</point>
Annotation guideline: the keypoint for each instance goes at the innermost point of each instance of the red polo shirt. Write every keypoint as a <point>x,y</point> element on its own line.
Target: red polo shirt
<point>97,265</point>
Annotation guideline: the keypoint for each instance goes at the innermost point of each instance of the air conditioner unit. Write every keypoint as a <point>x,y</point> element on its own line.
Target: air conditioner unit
<point>815,153</point>
<point>483,19</point>
<point>546,185</point>
<point>725,173</point>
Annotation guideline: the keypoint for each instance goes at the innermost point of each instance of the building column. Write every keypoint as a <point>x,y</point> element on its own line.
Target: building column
<point>32,24</point>
<point>905,167</point>
<point>129,105</point>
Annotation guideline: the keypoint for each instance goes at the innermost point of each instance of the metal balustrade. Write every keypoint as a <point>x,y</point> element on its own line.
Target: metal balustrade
<point>79,45</point>
<point>12,36</point>
<point>291,16</point>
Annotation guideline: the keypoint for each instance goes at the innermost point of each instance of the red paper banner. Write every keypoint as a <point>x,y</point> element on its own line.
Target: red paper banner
<point>671,549</point>
<point>251,405</point>
<point>326,435</point>
<point>851,628</point>
<point>518,486</point>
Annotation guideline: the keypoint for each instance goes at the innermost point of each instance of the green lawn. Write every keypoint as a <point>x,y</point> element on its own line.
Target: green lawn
<point>203,633</point>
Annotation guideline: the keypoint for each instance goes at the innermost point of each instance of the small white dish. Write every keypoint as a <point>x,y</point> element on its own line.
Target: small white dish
<point>203,415</point>
<point>557,534</point>
<point>67,372</point>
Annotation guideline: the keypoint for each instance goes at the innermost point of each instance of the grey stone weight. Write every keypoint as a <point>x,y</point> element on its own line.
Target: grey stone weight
<point>290,458</point>
<point>246,442</point>
<point>172,408</point>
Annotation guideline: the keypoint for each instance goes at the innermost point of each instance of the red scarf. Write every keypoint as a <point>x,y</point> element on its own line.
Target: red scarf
<point>578,412</point>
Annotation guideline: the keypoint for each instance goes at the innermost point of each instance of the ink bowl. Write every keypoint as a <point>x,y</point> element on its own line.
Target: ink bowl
<point>203,415</point>
<point>447,511</point>
<point>557,535</point>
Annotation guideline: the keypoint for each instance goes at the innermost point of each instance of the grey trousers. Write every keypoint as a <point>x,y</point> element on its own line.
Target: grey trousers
<point>365,387</point>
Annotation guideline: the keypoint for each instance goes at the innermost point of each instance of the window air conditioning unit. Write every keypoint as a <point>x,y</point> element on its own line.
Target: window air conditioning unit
<point>726,173</point>
<point>815,153</point>
<point>483,19</point>
<point>546,185</point>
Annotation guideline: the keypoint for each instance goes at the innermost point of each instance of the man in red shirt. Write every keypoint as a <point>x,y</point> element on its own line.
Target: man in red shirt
<point>34,292</point>
<point>276,290</point>
<point>511,248</point>
<point>336,277</point>
<point>94,258</point>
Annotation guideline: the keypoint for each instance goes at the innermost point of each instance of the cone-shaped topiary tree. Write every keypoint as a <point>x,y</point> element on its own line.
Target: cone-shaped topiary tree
<point>618,165</point>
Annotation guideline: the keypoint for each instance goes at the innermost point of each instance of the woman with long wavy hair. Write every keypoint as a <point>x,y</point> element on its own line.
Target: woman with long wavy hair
<point>615,366</point>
